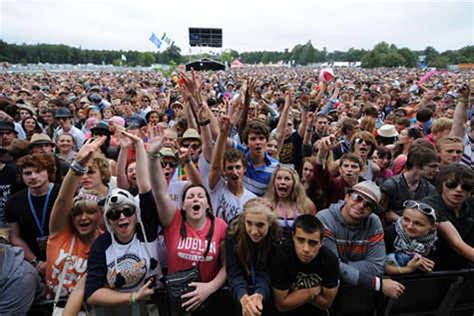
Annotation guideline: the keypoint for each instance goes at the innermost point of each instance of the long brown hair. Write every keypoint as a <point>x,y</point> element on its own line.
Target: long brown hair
<point>245,248</point>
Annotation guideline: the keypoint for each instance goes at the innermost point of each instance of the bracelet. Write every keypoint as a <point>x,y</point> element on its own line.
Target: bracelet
<point>399,270</point>
<point>34,262</point>
<point>205,122</point>
<point>77,168</point>
<point>133,297</point>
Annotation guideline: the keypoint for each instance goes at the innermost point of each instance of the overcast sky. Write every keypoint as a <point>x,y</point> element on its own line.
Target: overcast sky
<point>248,25</point>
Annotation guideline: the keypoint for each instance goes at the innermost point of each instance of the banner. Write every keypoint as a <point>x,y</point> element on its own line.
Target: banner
<point>155,40</point>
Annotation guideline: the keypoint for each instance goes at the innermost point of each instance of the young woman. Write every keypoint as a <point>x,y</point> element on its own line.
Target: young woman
<point>248,248</point>
<point>65,145</point>
<point>73,227</point>
<point>307,171</point>
<point>97,176</point>
<point>31,126</point>
<point>122,266</point>
<point>288,198</point>
<point>411,239</point>
<point>187,232</point>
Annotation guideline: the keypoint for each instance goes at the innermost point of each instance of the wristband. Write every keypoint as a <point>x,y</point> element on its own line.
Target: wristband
<point>134,297</point>
<point>78,168</point>
<point>34,262</point>
<point>205,122</point>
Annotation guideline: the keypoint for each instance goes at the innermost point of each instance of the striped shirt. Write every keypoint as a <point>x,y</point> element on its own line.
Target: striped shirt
<point>468,153</point>
<point>256,179</point>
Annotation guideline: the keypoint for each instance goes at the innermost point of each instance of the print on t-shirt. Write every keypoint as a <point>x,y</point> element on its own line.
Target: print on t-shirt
<point>193,249</point>
<point>306,281</point>
<point>131,267</point>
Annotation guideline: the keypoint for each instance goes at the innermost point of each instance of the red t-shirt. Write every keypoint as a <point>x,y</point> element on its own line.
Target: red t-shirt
<point>184,254</point>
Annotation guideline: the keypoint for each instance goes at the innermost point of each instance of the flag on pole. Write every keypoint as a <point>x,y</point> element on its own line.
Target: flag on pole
<point>155,40</point>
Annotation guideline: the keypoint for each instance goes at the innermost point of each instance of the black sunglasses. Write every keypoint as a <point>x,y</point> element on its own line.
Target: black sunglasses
<point>172,164</point>
<point>359,198</point>
<point>193,146</point>
<point>452,184</point>
<point>114,215</point>
<point>422,207</point>
<point>359,141</point>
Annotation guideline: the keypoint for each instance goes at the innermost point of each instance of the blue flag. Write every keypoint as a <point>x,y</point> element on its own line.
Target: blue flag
<point>155,40</point>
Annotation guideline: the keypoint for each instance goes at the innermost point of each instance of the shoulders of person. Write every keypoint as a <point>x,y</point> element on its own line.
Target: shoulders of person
<point>390,185</point>
<point>428,186</point>
<point>329,215</point>
<point>220,228</point>
<point>374,223</point>
<point>436,201</point>
<point>327,259</point>
<point>101,243</point>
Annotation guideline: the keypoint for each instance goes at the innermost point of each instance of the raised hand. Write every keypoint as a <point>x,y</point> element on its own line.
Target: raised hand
<point>87,150</point>
<point>155,134</point>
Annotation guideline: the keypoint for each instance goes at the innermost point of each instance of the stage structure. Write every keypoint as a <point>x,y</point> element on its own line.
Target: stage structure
<point>205,37</point>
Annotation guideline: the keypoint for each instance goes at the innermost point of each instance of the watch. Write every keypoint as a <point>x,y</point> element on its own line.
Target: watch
<point>34,262</point>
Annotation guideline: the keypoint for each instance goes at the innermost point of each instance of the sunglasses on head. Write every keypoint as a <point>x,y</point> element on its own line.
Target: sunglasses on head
<point>452,184</point>
<point>422,207</point>
<point>114,215</point>
<point>359,198</point>
<point>172,164</point>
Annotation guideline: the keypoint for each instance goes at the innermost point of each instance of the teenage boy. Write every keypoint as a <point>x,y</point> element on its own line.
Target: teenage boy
<point>226,177</point>
<point>304,273</point>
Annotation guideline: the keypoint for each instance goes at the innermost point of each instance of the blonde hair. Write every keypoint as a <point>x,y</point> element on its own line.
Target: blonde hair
<point>441,124</point>
<point>245,247</point>
<point>448,140</point>
<point>298,194</point>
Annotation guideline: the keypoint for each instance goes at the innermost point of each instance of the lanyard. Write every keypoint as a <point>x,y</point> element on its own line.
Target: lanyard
<point>43,215</point>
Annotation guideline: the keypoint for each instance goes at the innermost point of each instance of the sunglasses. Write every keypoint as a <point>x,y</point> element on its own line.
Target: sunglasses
<point>452,184</point>
<point>172,164</point>
<point>114,215</point>
<point>359,198</point>
<point>422,207</point>
<point>359,141</point>
<point>193,146</point>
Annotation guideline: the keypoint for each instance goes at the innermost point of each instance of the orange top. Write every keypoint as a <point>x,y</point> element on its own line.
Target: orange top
<point>56,253</point>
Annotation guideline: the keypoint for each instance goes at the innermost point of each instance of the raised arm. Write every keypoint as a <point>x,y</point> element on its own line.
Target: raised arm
<point>248,89</point>
<point>62,207</point>
<point>460,114</point>
<point>217,163</point>
<point>166,209</point>
<point>143,179</point>
<point>122,180</point>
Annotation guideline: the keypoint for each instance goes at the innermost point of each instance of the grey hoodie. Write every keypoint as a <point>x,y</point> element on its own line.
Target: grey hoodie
<point>360,248</point>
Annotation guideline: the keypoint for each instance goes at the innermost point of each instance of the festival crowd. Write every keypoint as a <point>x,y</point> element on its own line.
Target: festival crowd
<point>294,188</point>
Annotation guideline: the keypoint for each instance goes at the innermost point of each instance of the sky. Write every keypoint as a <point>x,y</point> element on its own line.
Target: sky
<point>248,25</point>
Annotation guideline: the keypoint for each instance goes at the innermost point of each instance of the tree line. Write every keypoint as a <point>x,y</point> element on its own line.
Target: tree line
<point>382,55</point>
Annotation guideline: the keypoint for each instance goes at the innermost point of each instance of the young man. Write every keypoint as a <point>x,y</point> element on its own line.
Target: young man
<point>42,144</point>
<point>355,235</point>
<point>454,207</point>
<point>7,133</point>
<point>260,165</point>
<point>228,194</point>
<point>304,273</point>
<point>450,149</point>
<point>64,117</point>
<point>410,184</point>
<point>28,210</point>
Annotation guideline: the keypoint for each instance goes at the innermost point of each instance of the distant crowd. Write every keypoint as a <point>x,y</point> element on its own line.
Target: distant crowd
<point>295,188</point>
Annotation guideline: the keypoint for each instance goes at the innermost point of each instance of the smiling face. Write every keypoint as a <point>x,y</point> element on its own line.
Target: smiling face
<point>256,226</point>
<point>29,124</point>
<point>132,173</point>
<point>195,203</point>
<point>284,183</point>
<point>124,227</point>
<point>85,220</point>
<point>356,208</point>
<point>416,224</point>
<point>65,143</point>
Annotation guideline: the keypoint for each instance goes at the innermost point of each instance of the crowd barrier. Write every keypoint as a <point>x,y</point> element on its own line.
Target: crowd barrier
<point>439,293</point>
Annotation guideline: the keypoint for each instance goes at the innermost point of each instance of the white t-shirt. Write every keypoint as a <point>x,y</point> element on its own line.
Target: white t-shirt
<point>225,204</point>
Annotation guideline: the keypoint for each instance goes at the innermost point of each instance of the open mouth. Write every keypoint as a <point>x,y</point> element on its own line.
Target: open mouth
<point>196,207</point>
<point>123,226</point>
<point>84,225</point>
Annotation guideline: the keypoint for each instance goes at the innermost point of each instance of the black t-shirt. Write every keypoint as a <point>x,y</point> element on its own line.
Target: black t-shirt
<point>18,211</point>
<point>291,151</point>
<point>289,273</point>
<point>8,186</point>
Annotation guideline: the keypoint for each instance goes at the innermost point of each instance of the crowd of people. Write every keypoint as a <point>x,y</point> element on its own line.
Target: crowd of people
<point>293,187</point>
